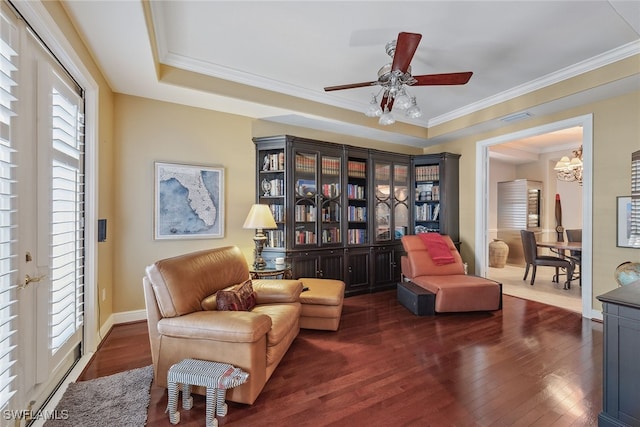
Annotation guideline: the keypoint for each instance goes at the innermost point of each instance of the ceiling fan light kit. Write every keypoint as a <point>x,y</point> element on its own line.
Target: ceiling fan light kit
<point>394,79</point>
<point>373,110</point>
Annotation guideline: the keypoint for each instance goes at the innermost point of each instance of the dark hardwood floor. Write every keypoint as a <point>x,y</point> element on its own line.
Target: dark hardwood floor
<point>528,365</point>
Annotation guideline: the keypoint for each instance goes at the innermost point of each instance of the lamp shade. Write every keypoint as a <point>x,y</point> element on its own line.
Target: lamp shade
<point>562,164</point>
<point>260,217</point>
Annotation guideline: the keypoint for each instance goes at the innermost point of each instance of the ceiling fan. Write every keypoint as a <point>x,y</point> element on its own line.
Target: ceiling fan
<point>395,76</point>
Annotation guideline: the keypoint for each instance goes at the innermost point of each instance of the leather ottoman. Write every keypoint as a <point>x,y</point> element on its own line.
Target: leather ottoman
<point>321,304</point>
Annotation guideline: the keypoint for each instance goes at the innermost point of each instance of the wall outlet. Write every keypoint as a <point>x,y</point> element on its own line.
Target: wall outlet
<point>104,294</point>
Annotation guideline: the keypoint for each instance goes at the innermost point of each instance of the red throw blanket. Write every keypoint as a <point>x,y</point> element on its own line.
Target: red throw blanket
<point>438,248</point>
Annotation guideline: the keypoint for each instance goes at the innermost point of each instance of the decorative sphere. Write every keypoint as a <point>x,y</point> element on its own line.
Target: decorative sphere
<point>627,273</point>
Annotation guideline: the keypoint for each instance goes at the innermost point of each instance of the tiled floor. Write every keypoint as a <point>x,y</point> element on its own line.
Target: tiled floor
<point>544,290</point>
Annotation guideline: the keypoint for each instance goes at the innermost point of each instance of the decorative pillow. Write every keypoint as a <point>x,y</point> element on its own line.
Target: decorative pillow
<point>236,298</point>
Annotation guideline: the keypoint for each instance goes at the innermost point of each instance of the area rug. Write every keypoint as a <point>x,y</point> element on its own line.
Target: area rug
<point>117,400</point>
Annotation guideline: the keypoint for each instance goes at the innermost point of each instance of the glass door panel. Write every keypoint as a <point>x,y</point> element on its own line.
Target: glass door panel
<point>401,200</point>
<point>305,208</point>
<point>330,196</point>
<point>382,187</point>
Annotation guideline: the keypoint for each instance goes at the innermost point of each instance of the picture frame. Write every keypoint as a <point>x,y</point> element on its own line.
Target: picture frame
<point>189,201</point>
<point>623,221</point>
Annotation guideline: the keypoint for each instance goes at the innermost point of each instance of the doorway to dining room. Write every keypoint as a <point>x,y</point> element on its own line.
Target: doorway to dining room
<point>531,155</point>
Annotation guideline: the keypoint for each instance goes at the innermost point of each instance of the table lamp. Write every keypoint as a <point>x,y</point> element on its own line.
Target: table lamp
<point>259,217</point>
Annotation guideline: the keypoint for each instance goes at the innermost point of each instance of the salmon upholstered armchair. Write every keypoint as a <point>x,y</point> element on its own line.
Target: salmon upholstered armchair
<point>442,274</point>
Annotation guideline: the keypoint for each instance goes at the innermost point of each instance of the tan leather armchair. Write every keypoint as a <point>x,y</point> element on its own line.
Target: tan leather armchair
<point>180,328</point>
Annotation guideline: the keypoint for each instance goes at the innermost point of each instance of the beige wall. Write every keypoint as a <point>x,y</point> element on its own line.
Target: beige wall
<point>616,133</point>
<point>148,131</point>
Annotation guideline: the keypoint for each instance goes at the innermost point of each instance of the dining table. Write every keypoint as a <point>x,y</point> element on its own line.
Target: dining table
<point>562,246</point>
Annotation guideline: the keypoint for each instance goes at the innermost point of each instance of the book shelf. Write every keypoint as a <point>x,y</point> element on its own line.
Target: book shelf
<point>272,182</point>
<point>435,199</point>
<point>357,201</point>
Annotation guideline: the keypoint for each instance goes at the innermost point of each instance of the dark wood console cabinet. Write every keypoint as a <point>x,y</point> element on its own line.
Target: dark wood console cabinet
<point>621,370</point>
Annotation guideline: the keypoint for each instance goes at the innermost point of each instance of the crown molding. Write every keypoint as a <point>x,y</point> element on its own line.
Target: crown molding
<point>598,61</point>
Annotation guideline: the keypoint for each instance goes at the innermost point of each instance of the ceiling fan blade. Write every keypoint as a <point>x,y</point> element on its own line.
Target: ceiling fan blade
<point>406,46</point>
<point>350,86</point>
<point>443,79</point>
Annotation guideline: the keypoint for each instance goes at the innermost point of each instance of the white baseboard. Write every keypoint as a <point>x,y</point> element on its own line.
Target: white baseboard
<point>122,317</point>
<point>129,316</point>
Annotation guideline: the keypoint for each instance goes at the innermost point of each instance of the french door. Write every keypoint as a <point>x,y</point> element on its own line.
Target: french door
<point>41,218</point>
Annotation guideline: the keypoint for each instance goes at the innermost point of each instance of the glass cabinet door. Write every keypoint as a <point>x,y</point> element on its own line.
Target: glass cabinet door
<point>330,200</point>
<point>401,200</point>
<point>382,200</point>
<point>305,206</point>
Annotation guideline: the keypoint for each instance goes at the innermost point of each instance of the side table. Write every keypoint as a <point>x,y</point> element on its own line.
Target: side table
<point>276,272</point>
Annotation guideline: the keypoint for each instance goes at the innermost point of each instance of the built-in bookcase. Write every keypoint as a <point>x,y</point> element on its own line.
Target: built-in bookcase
<point>341,210</point>
<point>435,199</point>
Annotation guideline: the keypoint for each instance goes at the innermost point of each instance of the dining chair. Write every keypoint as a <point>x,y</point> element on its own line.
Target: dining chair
<point>576,256</point>
<point>533,259</point>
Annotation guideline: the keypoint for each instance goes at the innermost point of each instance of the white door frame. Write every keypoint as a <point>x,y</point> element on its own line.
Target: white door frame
<point>482,199</point>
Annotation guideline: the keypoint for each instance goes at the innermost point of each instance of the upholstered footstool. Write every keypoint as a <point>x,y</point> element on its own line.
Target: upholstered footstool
<point>216,377</point>
<point>321,304</point>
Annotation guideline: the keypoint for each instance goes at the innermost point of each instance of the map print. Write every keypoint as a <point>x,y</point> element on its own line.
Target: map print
<point>188,201</point>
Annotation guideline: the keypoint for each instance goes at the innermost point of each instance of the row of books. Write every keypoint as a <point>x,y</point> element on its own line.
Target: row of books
<point>428,173</point>
<point>400,173</point>
<point>273,187</point>
<point>356,191</point>
<point>356,169</point>
<point>331,213</point>
<point>305,213</point>
<point>273,162</point>
<point>356,236</point>
<point>330,166</point>
<point>331,190</point>
<point>427,212</point>
<point>275,238</point>
<point>305,237</point>
<point>306,163</point>
<point>357,213</point>
<point>427,192</point>
<point>278,212</point>
<point>331,235</point>
<point>422,229</point>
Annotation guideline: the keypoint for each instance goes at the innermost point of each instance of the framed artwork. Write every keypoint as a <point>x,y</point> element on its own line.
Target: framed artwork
<point>189,201</point>
<point>623,215</point>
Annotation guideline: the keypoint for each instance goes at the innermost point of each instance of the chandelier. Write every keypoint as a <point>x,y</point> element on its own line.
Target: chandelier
<point>395,96</point>
<point>570,169</point>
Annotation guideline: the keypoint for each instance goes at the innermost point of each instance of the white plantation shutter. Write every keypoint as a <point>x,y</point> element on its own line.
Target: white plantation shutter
<point>8,231</point>
<point>67,214</point>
